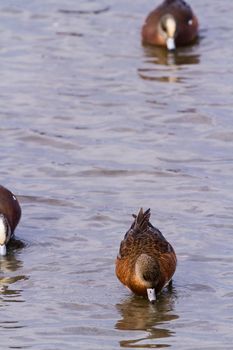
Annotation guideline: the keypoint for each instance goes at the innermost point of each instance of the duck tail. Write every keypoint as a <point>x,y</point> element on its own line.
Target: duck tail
<point>141,221</point>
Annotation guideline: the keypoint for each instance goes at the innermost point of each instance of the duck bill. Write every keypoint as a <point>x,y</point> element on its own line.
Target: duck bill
<point>2,249</point>
<point>151,295</point>
<point>171,46</point>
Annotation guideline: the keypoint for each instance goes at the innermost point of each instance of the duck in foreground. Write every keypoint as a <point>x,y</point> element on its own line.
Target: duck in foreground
<point>146,261</point>
<point>171,24</point>
<point>10,213</point>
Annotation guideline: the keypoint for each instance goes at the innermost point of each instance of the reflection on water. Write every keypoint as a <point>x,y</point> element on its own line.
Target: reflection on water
<point>155,57</point>
<point>9,266</point>
<point>138,314</point>
<point>161,56</point>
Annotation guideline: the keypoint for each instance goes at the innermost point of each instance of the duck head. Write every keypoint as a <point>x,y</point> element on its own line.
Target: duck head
<point>148,275</point>
<point>5,234</point>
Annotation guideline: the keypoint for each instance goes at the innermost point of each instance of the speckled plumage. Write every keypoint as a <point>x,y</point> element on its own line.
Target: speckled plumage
<point>146,259</point>
<point>186,24</point>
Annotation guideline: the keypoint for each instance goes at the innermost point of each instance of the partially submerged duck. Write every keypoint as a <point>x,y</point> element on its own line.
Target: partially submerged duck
<point>171,24</point>
<point>146,261</point>
<point>10,213</point>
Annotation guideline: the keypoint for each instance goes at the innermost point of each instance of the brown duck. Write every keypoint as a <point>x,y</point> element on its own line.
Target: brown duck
<point>10,213</point>
<point>146,261</point>
<point>171,24</point>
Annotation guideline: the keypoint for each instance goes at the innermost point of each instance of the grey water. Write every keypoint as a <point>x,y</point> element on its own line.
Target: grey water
<point>94,126</point>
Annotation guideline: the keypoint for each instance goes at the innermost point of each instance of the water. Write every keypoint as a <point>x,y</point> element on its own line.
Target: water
<point>93,127</point>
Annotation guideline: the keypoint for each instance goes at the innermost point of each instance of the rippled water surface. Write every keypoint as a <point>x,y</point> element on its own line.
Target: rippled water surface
<point>93,127</point>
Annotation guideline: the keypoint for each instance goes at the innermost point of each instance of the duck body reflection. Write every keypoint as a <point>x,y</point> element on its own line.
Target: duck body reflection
<point>146,261</point>
<point>153,320</point>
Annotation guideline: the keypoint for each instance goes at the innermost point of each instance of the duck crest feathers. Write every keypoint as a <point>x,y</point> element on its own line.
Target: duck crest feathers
<point>141,222</point>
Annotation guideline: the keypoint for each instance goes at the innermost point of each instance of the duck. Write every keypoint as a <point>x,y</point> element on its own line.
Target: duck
<point>146,261</point>
<point>10,214</point>
<point>171,24</point>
